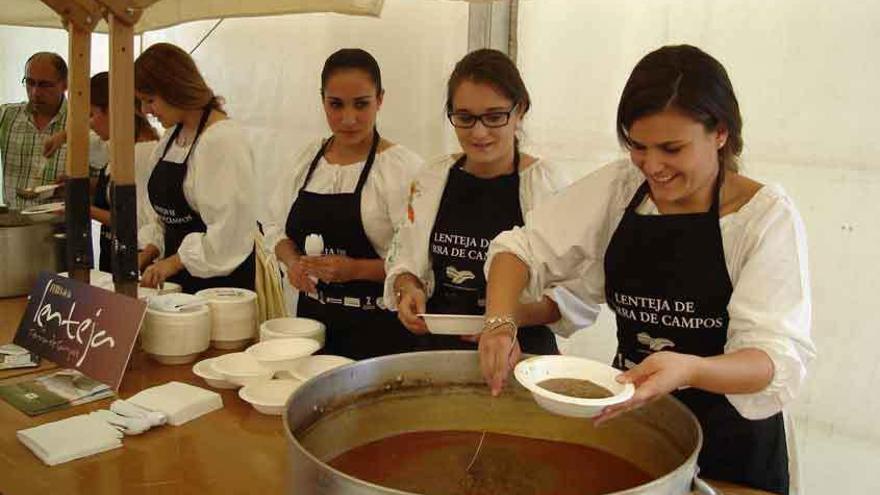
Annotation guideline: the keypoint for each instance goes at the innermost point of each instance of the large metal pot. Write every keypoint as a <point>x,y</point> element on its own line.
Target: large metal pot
<point>27,247</point>
<point>377,398</point>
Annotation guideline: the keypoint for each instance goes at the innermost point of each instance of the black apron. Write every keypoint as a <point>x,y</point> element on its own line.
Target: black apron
<point>165,189</point>
<point>359,326</point>
<point>667,282</point>
<point>102,200</point>
<point>472,212</point>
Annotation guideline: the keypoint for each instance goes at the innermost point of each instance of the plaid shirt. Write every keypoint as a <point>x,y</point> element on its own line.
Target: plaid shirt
<point>21,151</point>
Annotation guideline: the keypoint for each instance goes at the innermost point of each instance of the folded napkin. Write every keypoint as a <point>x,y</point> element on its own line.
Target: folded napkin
<point>180,402</point>
<point>71,438</point>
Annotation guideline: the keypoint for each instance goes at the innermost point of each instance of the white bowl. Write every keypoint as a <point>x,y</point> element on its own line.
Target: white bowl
<point>147,293</point>
<point>279,328</point>
<point>311,366</point>
<point>241,368</point>
<point>280,354</point>
<point>175,336</point>
<point>206,371</point>
<point>269,396</point>
<point>234,316</point>
<point>530,372</point>
<point>454,324</point>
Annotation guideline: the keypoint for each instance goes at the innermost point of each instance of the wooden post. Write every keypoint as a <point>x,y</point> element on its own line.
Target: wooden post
<point>124,207</point>
<point>79,238</point>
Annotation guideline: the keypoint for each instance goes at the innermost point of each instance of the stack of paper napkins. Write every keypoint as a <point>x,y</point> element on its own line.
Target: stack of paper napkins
<point>181,402</point>
<point>70,438</point>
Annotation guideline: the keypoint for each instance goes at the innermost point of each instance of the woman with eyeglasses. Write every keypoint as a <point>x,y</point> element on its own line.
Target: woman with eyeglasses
<point>462,201</point>
<point>331,219</point>
<point>202,185</point>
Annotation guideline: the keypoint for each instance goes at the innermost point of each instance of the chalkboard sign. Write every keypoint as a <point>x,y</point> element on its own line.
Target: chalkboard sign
<point>81,327</point>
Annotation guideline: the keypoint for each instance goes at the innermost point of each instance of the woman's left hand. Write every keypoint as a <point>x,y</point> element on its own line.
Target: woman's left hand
<point>160,271</point>
<point>656,376</point>
<point>329,268</point>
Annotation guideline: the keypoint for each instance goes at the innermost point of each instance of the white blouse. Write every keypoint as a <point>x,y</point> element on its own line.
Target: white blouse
<point>220,186</point>
<point>765,251</point>
<point>383,201</point>
<point>410,250</point>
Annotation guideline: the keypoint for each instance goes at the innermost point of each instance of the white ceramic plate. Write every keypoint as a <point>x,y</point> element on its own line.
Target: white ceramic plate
<point>280,354</point>
<point>530,372</point>
<point>43,208</point>
<point>241,368</point>
<point>269,396</point>
<point>204,370</point>
<point>454,324</point>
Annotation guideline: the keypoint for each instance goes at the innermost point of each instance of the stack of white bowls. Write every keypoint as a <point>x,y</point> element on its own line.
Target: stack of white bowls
<point>233,316</point>
<point>176,328</point>
<point>283,328</point>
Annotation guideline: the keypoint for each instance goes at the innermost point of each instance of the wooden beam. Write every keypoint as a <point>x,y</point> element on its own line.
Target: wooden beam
<point>123,214</point>
<point>85,14</point>
<point>125,11</point>
<point>79,252</point>
<point>121,100</point>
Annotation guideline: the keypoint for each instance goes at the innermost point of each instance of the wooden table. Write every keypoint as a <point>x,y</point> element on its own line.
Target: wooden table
<point>235,450</point>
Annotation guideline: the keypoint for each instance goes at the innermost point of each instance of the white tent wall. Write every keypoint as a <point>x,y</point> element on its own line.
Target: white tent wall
<point>269,71</point>
<point>806,79</point>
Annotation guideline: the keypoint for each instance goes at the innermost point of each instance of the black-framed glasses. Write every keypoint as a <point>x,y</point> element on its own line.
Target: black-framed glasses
<point>465,120</point>
<point>37,83</point>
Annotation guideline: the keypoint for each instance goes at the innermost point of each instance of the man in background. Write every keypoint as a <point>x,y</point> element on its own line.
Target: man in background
<point>25,126</point>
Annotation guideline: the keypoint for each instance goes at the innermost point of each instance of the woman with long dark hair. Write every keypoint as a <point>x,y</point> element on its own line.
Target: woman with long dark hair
<point>349,191</point>
<point>145,138</point>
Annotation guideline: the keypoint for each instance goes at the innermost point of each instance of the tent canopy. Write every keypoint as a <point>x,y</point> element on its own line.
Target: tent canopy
<point>159,14</point>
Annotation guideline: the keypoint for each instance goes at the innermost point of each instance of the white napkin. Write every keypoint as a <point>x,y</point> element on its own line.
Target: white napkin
<point>71,438</point>
<point>181,402</point>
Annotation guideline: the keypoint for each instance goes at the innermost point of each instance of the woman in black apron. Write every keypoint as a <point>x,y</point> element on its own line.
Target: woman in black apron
<point>486,99</point>
<point>222,255</point>
<point>100,124</point>
<point>666,275</point>
<point>341,286</point>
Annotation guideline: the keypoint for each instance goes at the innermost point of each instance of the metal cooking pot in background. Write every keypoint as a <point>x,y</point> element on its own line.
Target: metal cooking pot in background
<point>443,390</point>
<point>27,247</point>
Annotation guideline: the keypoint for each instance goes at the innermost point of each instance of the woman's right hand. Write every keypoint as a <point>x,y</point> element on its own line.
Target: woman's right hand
<point>299,278</point>
<point>411,304</point>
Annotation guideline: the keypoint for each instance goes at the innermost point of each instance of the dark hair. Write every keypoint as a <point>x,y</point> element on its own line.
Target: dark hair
<point>687,79</point>
<point>99,87</point>
<point>351,58</point>
<point>166,70</point>
<point>490,67</point>
<point>57,62</point>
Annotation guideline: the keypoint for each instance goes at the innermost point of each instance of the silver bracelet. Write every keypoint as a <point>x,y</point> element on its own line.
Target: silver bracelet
<point>492,323</point>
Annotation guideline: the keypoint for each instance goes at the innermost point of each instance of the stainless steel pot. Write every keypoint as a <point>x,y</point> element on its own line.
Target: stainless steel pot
<point>443,390</point>
<point>27,246</point>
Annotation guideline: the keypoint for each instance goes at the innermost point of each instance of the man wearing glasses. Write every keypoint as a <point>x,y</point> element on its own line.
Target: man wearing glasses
<point>25,126</point>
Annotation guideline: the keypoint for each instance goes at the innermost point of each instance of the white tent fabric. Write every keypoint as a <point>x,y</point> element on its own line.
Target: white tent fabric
<point>165,13</point>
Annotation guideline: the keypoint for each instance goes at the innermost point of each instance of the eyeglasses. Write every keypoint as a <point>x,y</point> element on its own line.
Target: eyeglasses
<point>36,83</point>
<point>465,120</point>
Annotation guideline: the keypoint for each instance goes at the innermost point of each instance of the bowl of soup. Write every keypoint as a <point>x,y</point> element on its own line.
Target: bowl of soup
<point>572,386</point>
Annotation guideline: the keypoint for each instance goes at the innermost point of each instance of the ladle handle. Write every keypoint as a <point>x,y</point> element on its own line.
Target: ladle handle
<point>703,488</point>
